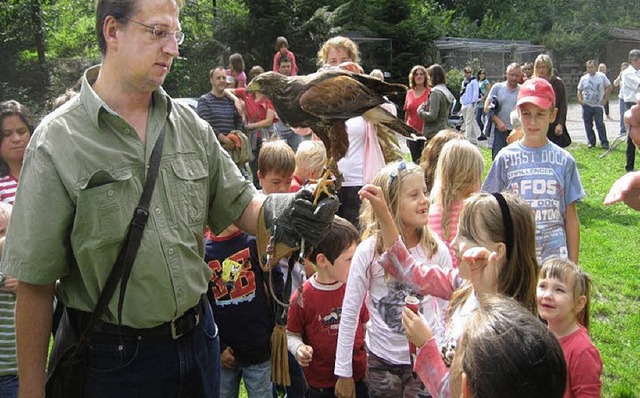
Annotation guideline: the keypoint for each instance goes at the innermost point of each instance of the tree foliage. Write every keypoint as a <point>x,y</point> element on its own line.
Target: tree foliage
<point>40,38</point>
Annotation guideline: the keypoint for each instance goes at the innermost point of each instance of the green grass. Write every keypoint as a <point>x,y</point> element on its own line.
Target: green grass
<point>610,253</point>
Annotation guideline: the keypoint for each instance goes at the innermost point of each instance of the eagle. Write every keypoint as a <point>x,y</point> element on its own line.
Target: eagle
<point>325,100</point>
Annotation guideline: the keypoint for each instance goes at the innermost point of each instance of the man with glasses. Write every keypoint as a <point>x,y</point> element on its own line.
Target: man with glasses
<point>82,178</point>
<point>469,94</point>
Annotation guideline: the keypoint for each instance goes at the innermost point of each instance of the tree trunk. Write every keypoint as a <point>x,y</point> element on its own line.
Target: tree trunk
<point>38,33</point>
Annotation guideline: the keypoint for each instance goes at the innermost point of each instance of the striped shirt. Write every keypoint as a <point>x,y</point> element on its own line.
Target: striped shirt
<point>220,113</point>
<point>8,186</point>
<point>8,363</point>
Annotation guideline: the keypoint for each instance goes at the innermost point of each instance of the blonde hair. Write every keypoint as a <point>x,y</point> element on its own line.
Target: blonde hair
<point>570,274</point>
<point>311,157</point>
<point>276,156</point>
<point>412,81</point>
<point>540,60</point>
<point>480,219</point>
<point>391,179</point>
<point>431,153</point>
<point>458,175</point>
<point>340,43</point>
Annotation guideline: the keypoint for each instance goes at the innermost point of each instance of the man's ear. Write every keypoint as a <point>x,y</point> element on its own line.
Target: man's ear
<point>110,30</point>
<point>552,118</point>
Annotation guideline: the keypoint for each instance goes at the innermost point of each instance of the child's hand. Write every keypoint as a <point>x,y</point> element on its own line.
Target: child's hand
<point>345,388</point>
<point>416,328</point>
<point>304,355</point>
<point>484,269</point>
<point>10,285</point>
<point>227,360</point>
<point>375,196</point>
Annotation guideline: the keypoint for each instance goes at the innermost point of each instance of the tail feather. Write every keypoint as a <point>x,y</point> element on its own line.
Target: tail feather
<point>379,115</point>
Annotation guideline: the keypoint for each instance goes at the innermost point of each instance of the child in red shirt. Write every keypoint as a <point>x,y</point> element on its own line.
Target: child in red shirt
<point>314,315</point>
<point>563,301</point>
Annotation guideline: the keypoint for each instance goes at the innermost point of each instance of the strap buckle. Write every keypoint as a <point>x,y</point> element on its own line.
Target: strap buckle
<point>140,217</point>
<point>174,331</point>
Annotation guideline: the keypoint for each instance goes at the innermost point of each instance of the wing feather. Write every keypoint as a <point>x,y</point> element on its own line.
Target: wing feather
<point>339,97</point>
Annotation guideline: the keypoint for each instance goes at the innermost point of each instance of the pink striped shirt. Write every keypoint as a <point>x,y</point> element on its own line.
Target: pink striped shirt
<point>8,186</point>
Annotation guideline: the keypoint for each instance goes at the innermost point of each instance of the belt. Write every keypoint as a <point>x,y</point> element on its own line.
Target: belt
<point>173,329</point>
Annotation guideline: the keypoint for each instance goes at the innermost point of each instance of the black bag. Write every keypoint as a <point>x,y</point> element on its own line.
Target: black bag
<point>563,140</point>
<point>70,355</point>
<point>68,361</point>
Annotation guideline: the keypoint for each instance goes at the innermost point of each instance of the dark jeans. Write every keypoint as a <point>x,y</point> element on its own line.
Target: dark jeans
<point>499,141</point>
<point>349,204</point>
<point>136,366</point>
<point>361,391</point>
<point>623,108</point>
<point>631,148</point>
<point>479,113</point>
<point>416,147</point>
<point>591,114</point>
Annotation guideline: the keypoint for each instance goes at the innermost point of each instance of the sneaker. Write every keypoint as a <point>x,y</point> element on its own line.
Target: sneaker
<point>482,137</point>
<point>590,146</point>
<point>605,146</point>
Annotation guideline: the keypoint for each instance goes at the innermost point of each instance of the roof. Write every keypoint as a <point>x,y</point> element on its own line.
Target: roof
<point>460,43</point>
<point>624,33</point>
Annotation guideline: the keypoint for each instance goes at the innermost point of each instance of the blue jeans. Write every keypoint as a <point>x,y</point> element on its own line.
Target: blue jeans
<point>285,133</point>
<point>257,381</point>
<point>591,114</point>
<point>499,141</point>
<point>9,386</point>
<point>136,366</point>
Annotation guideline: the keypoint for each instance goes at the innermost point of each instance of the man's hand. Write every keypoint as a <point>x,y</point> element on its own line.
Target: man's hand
<point>632,119</point>
<point>304,355</point>
<point>500,125</point>
<point>345,388</point>
<point>227,360</point>
<point>559,129</point>
<point>226,142</point>
<point>626,189</point>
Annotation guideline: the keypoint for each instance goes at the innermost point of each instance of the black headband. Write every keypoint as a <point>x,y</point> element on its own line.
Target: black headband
<point>508,222</point>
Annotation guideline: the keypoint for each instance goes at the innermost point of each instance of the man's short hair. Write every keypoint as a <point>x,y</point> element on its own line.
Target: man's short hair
<point>513,65</point>
<point>634,54</point>
<point>119,9</point>
<point>215,69</point>
<point>591,62</point>
<point>278,157</point>
<point>340,237</point>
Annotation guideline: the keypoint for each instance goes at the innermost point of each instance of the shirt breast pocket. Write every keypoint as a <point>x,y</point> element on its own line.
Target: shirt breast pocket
<point>186,187</point>
<point>102,209</point>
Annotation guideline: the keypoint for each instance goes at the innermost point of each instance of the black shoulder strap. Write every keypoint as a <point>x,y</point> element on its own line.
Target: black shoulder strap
<point>122,267</point>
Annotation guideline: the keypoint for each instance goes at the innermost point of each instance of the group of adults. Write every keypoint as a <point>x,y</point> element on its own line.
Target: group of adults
<point>429,104</point>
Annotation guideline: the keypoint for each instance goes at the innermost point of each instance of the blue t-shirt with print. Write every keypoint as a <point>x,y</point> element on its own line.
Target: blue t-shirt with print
<point>547,178</point>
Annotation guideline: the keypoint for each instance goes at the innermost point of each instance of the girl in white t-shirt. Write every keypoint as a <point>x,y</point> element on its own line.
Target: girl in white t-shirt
<point>389,367</point>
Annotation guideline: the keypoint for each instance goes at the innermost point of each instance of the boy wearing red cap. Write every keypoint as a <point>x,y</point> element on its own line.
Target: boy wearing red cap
<point>542,173</point>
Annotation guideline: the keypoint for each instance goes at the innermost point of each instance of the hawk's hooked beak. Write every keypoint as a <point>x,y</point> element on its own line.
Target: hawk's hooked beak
<point>253,86</point>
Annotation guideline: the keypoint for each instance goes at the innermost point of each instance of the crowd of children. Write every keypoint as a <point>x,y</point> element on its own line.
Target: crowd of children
<point>426,232</point>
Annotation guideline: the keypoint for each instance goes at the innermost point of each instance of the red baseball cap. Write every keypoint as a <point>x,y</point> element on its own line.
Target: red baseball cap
<point>537,91</point>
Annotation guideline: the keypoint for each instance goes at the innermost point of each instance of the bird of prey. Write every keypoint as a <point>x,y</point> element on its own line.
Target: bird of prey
<point>325,100</point>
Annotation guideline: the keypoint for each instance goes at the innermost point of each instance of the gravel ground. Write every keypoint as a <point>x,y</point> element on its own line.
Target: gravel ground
<point>576,126</point>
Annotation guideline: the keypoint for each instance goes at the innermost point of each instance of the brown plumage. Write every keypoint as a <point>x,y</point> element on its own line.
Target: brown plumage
<point>325,100</point>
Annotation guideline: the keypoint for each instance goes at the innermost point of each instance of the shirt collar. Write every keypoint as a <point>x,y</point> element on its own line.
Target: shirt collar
<point>95,105</point>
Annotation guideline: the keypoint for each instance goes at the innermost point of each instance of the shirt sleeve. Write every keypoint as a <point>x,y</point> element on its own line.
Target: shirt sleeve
<point>294,65</point>
<point>585,373</point>
<point>432,370</point>
<point>42,210</point>
<point>276,60</point>
<point>573,185</point>
<point>495,181</point>
<point>357,287</point>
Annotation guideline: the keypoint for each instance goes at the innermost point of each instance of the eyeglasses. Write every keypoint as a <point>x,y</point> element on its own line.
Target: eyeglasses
<point>161,32</point>
<point>395,173</point>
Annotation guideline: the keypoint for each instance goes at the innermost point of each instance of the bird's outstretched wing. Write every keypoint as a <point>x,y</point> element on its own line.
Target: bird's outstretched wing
<point>339,97</point>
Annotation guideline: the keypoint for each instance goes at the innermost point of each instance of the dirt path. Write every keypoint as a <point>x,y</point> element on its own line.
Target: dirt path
<point>576,126</point>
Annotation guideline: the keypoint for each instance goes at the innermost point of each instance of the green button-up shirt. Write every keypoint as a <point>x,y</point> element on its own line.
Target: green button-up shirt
<point>82,178</point>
